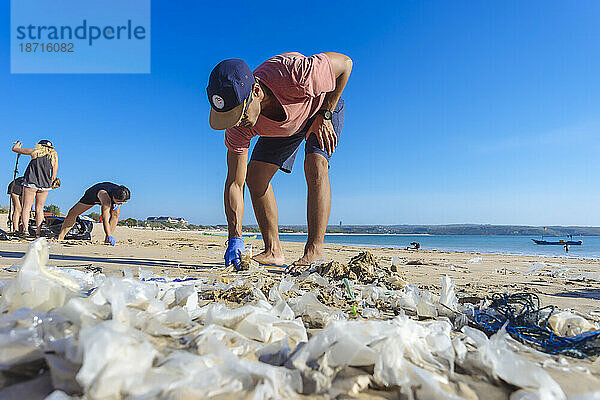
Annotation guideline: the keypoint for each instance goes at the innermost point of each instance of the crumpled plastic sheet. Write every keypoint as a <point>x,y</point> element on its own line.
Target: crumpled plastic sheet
<point>315,312</point>
<point>261,322</point>
<point>496,358</point>
<point>590,276</point>
<point>404,353</point>
<point>535,267</point>
<point>37,286</point>
<point>184,375</point>
<point>565,323</point>
<point>135,339</point>
<point>115,358</point>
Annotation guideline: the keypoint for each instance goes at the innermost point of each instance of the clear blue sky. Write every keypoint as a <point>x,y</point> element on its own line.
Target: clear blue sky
<point>456,112</point>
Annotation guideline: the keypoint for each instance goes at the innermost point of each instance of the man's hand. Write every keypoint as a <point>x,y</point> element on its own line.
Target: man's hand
<point>326,136</point>
<point>233,254</point>
<point>17,145</point>
<point>111,240</point>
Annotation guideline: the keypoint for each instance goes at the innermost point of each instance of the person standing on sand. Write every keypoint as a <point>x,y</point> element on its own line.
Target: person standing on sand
<point>288,99</point>
<point>39,179</point>
<point>109,196</point>
<point>15,190</point>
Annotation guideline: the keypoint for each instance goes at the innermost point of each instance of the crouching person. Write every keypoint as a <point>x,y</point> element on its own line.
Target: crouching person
<point>109,196</point>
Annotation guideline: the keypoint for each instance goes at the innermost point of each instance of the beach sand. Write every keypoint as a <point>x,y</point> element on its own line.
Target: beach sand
<point>191,253</point>
<point>188,254</point>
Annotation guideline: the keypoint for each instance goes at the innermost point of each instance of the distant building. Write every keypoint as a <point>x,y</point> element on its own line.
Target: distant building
<point>171,220</point>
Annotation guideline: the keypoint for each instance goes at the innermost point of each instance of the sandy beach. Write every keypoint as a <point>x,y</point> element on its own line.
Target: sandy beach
<point>191,253</point>
<point>186,254</point>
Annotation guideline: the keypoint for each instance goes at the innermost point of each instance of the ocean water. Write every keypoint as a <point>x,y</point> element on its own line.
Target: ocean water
<point>520,245</point>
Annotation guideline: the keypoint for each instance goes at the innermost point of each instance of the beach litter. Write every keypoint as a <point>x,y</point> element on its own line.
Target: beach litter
<point>565,323</point>
<point>522,316</point>
<point>250,334</point>
<point>535,267</point>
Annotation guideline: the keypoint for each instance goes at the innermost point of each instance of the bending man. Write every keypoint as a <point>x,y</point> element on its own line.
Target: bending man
<point>109,196</point>
<point>287,100</point>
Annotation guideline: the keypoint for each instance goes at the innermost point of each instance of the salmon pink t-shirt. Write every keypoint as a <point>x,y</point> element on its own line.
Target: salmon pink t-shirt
<point>300,84</point>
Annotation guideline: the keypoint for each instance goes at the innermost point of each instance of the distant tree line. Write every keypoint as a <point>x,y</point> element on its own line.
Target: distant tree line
<point>131,222</point>
<point>52,209</point>
<point>455,229</point>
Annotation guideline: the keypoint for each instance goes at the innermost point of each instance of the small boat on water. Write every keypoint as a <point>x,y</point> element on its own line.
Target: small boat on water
<point>559,242</point>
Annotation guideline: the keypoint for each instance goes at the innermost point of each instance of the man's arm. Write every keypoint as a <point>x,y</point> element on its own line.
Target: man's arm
<point>323,129</point>
<point>105,204</point>
<point>342,67</point>
<point>234,192</point>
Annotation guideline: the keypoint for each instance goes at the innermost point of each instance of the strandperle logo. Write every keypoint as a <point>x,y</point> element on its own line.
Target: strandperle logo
<point>80,36</point>
<point>85,31</point>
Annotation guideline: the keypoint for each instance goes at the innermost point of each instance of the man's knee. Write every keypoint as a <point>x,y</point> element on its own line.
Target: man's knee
<point>316,167</point>
<point>257,182</point>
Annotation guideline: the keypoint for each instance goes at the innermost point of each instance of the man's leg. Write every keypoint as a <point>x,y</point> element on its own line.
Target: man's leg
<point>40,202</point>
<point>316,169</point>
<point>16,216</point>
<point>28,199</point>
<point>258,179</point>
<point>72,215</point>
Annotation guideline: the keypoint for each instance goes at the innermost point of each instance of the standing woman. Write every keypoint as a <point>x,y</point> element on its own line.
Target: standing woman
<point>15,190</point>
<point>39,179</point>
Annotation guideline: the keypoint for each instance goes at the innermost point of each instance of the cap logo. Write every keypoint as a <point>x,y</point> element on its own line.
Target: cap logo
<point>218,101</point>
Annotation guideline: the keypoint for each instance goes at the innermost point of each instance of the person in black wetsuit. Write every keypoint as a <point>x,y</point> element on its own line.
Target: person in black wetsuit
<point>39,179</point>
<point>15,190</point>
<point>109,196</point>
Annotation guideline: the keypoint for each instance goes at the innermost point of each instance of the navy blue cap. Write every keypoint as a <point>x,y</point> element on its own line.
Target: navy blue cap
<point>229,88</point>
<point>46,143</point>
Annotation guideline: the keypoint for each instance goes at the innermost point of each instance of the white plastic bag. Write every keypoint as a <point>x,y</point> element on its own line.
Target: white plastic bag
<point>566,323</point>
<point>37,286</point>
<point>115,359</point>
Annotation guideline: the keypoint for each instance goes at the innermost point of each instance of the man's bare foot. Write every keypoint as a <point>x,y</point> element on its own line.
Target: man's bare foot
<point>269,258</point>
<point>311,256</point>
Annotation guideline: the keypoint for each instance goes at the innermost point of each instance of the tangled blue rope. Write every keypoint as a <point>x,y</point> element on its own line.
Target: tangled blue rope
<point>527,322</point>
<point>161,279</point>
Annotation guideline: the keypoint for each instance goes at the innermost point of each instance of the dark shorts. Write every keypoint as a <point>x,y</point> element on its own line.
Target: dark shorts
<point>16,186</point>
<point>282,151</point>
<point>90,198</point>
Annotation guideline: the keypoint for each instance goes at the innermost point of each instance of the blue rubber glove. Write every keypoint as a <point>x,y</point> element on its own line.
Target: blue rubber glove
<point>233,254</point>
<point>112,240</point>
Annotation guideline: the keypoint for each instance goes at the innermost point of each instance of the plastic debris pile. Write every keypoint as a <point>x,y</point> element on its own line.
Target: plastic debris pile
<point>67,334</point>
<point>526,321</point>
